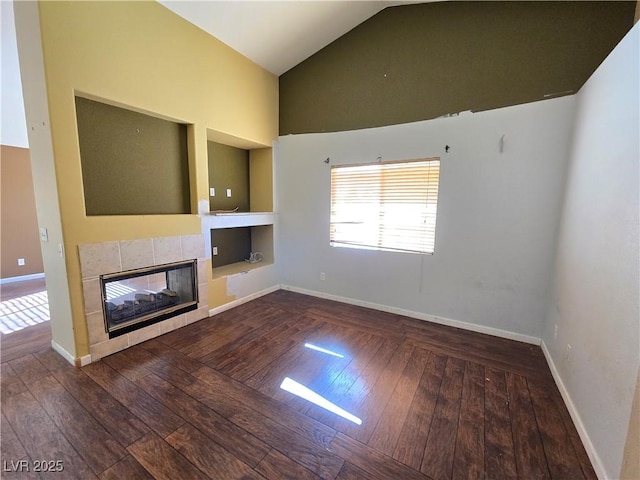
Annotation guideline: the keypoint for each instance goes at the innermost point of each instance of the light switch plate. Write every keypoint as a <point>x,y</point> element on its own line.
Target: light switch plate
<point>212,192</point>
<point>228,192</point>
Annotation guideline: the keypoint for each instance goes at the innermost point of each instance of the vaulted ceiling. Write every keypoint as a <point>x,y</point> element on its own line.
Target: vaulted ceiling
<point>277,35</point>
<point>345,65</point>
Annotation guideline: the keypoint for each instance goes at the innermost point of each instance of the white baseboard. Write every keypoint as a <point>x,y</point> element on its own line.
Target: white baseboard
<point>66,355</point>
<point>76,362</point>
<point>496,332</point>
<point>240,301</point>
<point>575,416</point>
<point>21,278</point>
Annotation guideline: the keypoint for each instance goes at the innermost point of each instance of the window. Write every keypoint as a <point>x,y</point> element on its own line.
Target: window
<point>386,205</point>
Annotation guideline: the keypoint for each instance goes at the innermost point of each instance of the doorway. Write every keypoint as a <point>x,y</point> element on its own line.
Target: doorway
<point>24,318</point>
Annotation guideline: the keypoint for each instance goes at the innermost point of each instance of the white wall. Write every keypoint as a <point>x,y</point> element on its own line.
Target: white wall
<point>44,176</point>
<point>13,125</point>
<point>595,298</point>
<point>497,215</point>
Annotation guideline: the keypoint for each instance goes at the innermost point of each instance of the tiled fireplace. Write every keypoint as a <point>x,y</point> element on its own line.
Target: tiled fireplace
<point>144,296</point>
<point>163,259</point>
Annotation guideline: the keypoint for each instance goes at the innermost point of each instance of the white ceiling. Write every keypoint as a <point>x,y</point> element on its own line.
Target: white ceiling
<point>277,35</point>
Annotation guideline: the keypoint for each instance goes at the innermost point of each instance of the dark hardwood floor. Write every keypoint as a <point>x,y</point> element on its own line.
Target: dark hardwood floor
<point>205,401</point>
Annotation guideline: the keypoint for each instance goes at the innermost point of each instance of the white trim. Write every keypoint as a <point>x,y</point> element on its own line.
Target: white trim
<point>496,332</point>
<point>575,416</point>
<point>67,356</point>
<point>240,301</point>
<point>82,361</point>
<point>21,278</point>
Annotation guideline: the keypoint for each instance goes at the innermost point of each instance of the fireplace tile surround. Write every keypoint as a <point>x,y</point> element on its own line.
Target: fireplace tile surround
<point>113,257</point>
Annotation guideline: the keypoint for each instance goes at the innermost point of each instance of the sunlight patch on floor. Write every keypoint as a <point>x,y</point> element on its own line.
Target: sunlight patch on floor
<point>301,391</point>
<point>323,350</point>
<point>22,312</point>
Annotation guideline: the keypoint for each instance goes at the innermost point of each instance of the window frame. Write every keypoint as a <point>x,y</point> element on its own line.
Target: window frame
<point>381,196</point>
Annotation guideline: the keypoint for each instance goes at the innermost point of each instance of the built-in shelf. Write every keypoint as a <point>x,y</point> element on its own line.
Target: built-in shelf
<point>214,220</point>
<point>245,170</point>
<point>238,268</point>
<point>261,225</point>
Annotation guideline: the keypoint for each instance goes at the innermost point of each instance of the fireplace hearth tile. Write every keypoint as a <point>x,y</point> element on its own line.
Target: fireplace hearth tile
<point>113,345</point>
<point>173,323</point>
<point>115,257</point>
<point>95,325</point>
<point>92,296</point>
<point>204,270</point>
<point>167,250</point>
<point>144,334</point>
<point>98,258</point>
<point>136,253</point>
<point>196,315</point>
<point>192,246</point>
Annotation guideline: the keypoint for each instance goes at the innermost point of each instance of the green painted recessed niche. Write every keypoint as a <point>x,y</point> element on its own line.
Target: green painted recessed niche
<point>232,245</point>
<point>132,163</point>
<point>228,171</point>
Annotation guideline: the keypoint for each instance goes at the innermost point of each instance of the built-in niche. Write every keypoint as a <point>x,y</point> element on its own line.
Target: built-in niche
<point>231,249</point>
<point>132,163</point>
<point>230,245</point>
<point>242,224</point>
<point>228,178</point>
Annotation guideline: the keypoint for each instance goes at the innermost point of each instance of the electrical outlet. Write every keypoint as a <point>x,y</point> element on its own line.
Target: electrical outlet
<point>322,277</point>
<point>21,262</point>
<point>555,332</point>
<point>229,192</point>
<point>212,192</point>
<point>567,354</point>
<point>44,235</point>
<point>215,250</point>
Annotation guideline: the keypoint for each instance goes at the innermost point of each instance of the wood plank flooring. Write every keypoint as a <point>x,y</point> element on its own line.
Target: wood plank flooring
<point>205,401</point>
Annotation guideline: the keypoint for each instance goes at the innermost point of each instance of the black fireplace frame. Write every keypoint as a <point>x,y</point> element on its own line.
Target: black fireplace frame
<point>154,317</point>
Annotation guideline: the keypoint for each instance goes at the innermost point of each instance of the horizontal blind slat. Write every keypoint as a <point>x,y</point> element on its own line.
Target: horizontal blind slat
<point>391,206</point>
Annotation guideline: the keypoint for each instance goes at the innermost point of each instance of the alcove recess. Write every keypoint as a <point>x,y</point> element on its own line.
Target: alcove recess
<point>133,163</point>
<point>242,223</point>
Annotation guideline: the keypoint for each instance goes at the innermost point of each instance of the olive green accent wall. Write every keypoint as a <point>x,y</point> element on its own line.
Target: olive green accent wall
<point>234,245</point>
<point>261,179</point>
<point>417,62</point>
<point>132,164</point>
<point>228,168</point>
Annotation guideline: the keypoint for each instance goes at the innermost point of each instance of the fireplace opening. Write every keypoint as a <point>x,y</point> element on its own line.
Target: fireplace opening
<point>137,298</point>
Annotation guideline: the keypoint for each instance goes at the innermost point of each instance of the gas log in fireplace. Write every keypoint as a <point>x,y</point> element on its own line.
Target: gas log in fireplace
<point>137,298</point>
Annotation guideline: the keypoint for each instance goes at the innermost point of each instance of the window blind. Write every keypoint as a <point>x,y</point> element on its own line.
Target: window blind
<point>385,205</point>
